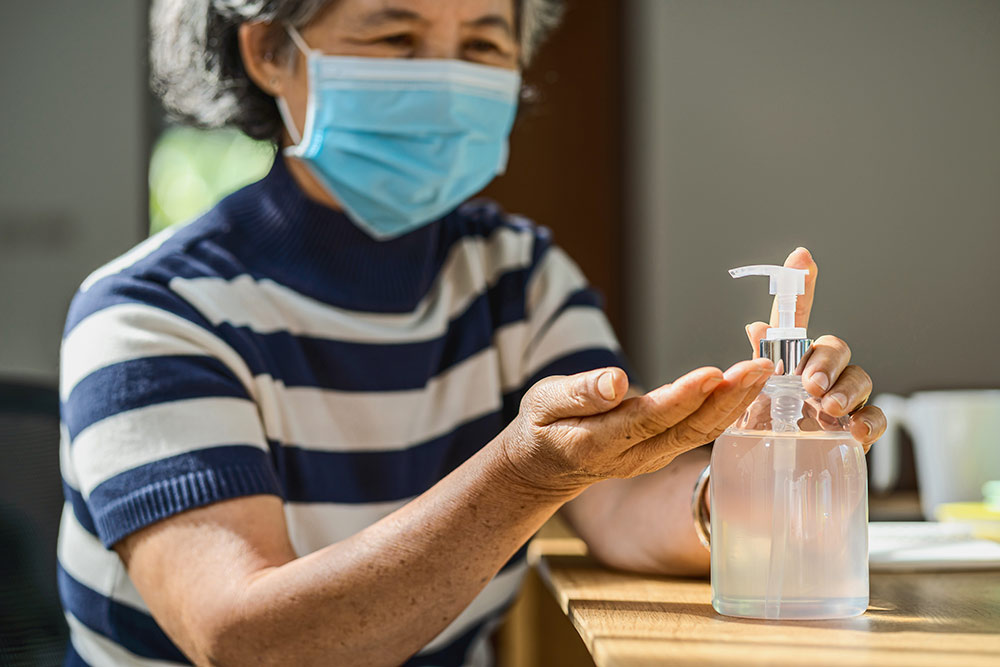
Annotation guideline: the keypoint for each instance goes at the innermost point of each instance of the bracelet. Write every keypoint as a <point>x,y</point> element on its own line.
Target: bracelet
<point>700,511</point>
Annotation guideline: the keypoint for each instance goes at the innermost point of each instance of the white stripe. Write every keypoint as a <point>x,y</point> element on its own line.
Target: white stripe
<point>502,588</point>
<point>99,651</point>
<point>132,331</point>
<point>576,329</point>
<point>511,342</point>
<point>141,251</point>
<point>85,559</point>
<point>329,420</point>
<point>137,437</point>
<point>265,306</point>
<point>65,460</point>
<point>555,278</point>
<point>313,526</point>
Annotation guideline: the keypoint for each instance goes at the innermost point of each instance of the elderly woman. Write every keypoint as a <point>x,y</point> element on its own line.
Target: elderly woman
<point>319,424</point>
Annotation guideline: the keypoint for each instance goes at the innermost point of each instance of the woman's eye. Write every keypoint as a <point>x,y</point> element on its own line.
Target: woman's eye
<point>482,46</point>
<point>402,40</point>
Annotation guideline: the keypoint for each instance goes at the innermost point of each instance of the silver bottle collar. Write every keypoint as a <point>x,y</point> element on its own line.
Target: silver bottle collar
<point>791,353</point>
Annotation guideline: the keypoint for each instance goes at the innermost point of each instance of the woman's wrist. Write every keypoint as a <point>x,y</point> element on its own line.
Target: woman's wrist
<point>516,468</point>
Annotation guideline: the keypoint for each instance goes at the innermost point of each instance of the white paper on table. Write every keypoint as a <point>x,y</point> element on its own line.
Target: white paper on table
<point>902,546</point>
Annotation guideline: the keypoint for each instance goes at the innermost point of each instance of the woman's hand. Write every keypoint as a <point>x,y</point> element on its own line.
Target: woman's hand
<point>827,373</point>
<point>575,430</point>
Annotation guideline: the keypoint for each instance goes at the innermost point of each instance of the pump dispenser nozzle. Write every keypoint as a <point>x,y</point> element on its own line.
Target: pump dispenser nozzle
<point>785,343</point>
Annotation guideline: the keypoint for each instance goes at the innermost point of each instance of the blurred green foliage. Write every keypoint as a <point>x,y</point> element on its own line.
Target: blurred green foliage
<point>191,170</point>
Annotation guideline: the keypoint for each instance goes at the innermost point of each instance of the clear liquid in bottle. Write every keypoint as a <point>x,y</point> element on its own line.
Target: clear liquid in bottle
<point>789,515</point>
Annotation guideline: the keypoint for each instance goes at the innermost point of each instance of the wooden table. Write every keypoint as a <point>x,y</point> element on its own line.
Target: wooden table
<point>937,620</point>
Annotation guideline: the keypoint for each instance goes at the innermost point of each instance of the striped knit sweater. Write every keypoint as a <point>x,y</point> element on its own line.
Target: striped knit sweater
<point>271,347</point>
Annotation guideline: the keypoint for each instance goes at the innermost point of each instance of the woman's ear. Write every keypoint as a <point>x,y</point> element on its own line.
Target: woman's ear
<point>259,51</point>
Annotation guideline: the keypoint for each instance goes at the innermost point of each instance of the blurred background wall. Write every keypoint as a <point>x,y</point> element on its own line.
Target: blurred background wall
<point>72,164</point>
<point>866,130</point>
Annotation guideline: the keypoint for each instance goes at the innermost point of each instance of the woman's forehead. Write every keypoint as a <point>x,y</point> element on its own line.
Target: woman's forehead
<point>367,12</point>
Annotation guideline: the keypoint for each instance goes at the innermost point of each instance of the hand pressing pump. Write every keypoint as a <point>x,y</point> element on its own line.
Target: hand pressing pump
<point>789,495</point>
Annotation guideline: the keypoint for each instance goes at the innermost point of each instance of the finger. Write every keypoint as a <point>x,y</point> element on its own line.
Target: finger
<point>746,407</point>
<point>581,395</point>
<point>867,425</point>
<point>800,259</point>
<point>640,418</point>
<point>755,332</point>
<point>853,387</point>
<point>828,357</point>
<point>742,384</point>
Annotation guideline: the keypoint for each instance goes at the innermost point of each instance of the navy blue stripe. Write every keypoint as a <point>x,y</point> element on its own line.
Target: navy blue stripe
<point>541,246</point>
<point>585,296</point>
<point>157,490</point>
<point>370,477</point>
<point>143,382</point>
<point>132,290</point>
<point>130,628</point>
<point>80,509</point>
<point>73,659</point>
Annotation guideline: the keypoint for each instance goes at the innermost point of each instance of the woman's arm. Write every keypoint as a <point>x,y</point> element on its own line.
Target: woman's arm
<point>645,524</point>
<point>224,582</point>
<point>226,586</point>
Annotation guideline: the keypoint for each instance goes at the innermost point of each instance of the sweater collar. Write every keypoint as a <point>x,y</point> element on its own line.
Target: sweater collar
<point>319,251</point>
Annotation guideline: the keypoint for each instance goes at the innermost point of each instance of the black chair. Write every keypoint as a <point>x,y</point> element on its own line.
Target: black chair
<point>32,629</point>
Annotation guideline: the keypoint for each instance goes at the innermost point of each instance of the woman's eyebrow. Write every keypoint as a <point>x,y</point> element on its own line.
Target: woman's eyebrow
<point>492,21</point>
<point>390,15</point>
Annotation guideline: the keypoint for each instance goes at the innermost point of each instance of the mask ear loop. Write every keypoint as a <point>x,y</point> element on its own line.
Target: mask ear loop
<point>298,40</point>
<point>289,122</point>
<point>283,110</point>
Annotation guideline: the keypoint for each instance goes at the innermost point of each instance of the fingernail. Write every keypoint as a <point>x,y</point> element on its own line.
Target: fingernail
<point>606,386</point>
<point>821,379</point>
<point>710,384</point>
<point>750,378</point>
<point>868,427</point>
<point>839,399</point>
<point>747,329</point>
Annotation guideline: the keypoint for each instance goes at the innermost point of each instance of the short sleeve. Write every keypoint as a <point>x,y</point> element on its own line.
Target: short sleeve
<point>567,330</point>
<point>157,411</point>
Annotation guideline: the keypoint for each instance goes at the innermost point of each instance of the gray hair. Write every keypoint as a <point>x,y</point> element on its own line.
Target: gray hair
<point>198,73</point>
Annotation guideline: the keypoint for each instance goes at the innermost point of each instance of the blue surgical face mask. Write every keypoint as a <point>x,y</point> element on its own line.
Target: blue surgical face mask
<point>401,142</point>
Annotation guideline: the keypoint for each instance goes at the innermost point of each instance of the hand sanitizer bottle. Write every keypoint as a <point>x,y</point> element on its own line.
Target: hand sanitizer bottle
<point>789,493</point>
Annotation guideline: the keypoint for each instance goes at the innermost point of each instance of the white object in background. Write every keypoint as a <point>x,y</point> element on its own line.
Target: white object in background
<point>956,442</point>
<point>920,546</point>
